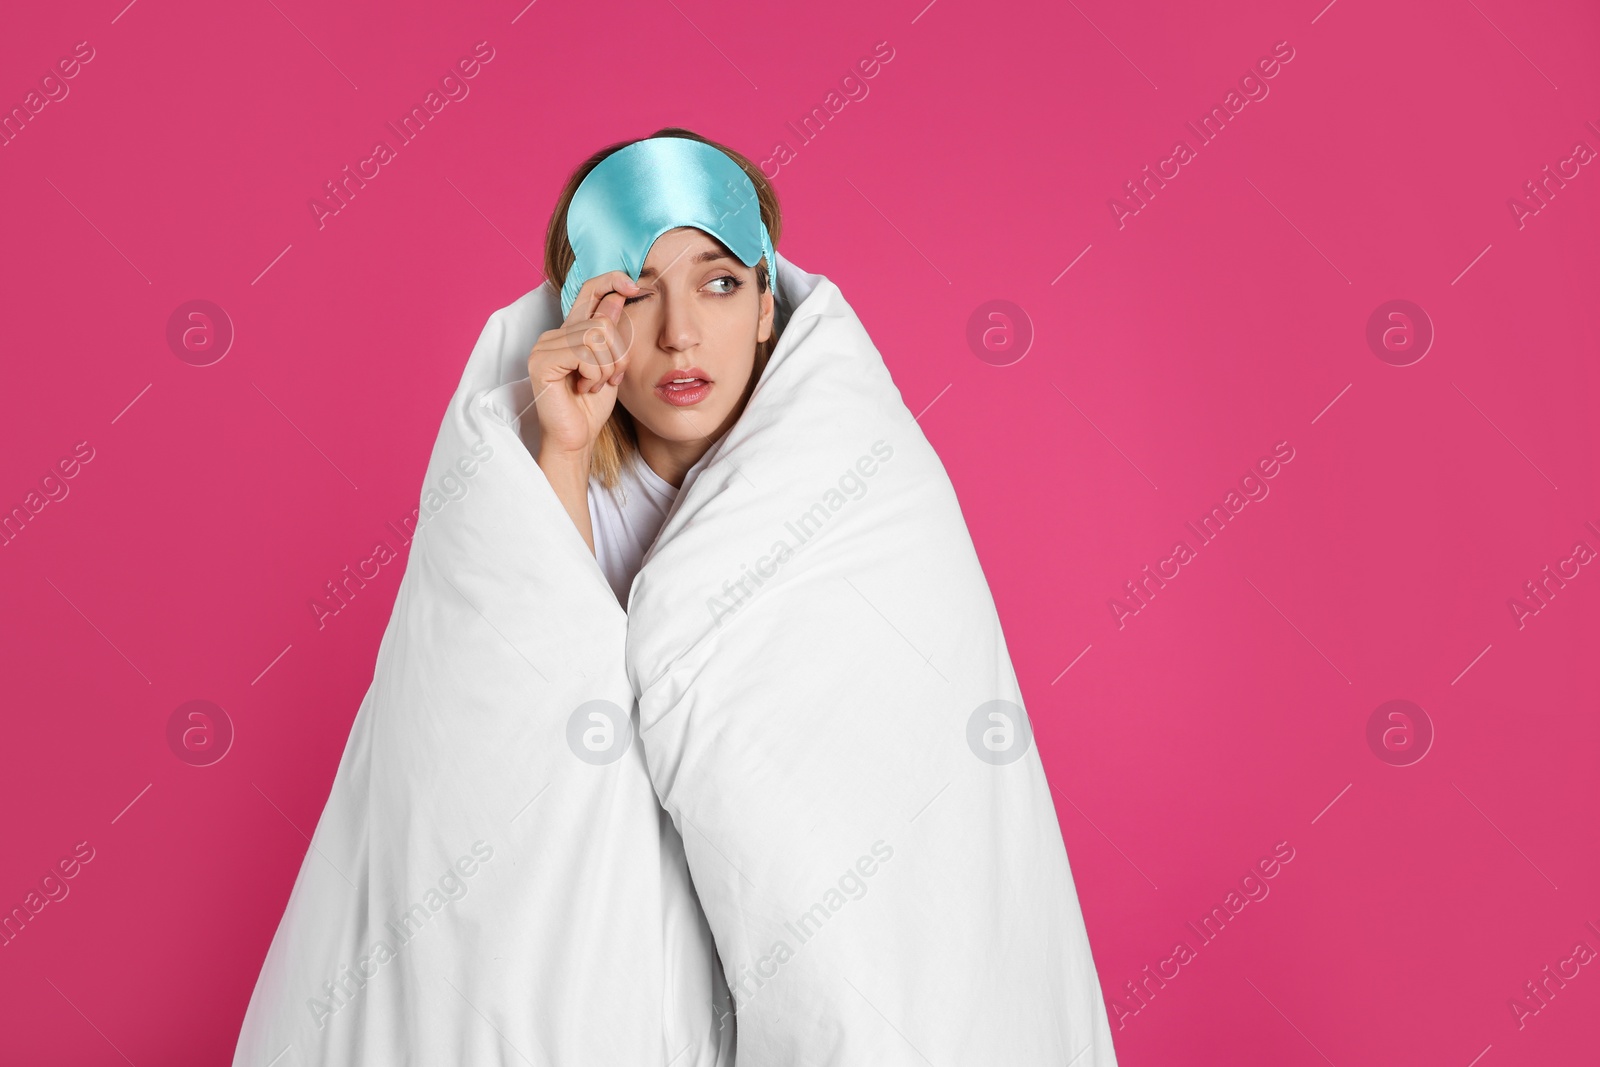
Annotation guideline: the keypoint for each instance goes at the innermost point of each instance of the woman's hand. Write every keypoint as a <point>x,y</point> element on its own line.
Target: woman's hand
<point>575,368</point>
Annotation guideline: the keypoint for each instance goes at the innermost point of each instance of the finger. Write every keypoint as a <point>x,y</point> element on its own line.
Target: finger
<point>589,349</point>
<point>594,340</point>
<point>560,360</point>
<point>589,379</point>
<point>596,289</point>
<point>614,308</point>
<point>611,306</point>
<point>620,370</point>
<point>609,322</point>
<point>611,366</point>
<point>601,347</point>
<point>556,356</point>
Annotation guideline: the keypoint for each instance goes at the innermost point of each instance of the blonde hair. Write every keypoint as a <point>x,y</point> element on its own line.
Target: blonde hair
<point>619,436</point>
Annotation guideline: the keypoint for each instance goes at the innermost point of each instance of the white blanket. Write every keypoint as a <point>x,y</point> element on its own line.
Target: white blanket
<point>808,709</point>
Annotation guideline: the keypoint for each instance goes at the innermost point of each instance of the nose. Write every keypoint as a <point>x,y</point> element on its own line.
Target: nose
<point>680,327</point>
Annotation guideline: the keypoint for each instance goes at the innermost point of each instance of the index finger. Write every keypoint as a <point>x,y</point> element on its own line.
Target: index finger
<point>596,289</point>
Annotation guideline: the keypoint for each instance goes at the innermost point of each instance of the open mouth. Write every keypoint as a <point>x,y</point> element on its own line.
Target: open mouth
<point>685,387</point>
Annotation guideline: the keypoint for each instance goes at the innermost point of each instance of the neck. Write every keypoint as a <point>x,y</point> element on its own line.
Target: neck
<point>671,460</point>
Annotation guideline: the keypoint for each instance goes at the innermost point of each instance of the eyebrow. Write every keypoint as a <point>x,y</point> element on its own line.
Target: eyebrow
<point>707,256</point>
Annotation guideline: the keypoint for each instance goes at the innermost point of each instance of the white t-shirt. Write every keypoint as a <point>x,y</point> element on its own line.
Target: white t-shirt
<point>626,518</point>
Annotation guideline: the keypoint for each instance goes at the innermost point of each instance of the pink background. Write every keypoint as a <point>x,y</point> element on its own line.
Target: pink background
<point>1229,314</point>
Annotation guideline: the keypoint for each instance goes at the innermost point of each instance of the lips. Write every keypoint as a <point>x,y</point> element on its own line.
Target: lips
<point>682,388</point>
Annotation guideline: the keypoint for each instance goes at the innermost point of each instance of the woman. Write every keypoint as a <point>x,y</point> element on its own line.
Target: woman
<point>782,803</point>
<point>642,378</point>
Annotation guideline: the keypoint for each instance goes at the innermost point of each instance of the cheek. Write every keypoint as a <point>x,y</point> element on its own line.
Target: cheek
<point>731,368</point>
<point>736,342</point>
<point>635,383</point>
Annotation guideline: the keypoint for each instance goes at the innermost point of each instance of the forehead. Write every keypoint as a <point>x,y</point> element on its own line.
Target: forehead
<point>684,243</point>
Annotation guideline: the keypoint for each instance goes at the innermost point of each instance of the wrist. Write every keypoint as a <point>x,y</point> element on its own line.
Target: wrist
<point>567,471</point>
<point>565,463</point>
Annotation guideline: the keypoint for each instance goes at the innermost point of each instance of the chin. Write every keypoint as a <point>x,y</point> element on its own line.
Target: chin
<point>685,425</point>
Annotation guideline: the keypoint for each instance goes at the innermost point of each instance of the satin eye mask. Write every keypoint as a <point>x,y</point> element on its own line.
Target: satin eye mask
<point>638,193</point>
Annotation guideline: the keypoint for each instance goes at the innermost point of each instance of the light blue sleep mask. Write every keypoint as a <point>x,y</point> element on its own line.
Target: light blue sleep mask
<point>638,193</point>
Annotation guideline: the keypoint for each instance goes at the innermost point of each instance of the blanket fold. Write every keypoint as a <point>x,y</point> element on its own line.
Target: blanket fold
<point>785,809</point>
<point>829,714</point>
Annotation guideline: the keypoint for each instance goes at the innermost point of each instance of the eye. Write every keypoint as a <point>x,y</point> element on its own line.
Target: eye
<point>634,299</point>
<point>735,284</point>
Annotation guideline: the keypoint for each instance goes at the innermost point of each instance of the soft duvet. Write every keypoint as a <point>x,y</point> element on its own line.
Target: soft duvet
<point>784,810</point>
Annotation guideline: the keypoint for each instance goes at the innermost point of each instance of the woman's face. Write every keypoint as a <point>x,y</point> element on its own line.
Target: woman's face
<point>698,316</point>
